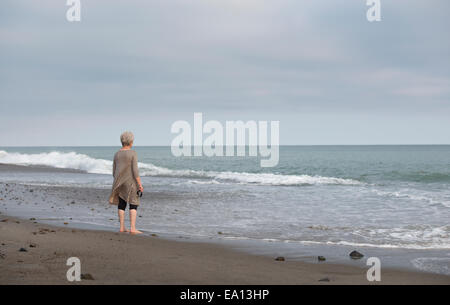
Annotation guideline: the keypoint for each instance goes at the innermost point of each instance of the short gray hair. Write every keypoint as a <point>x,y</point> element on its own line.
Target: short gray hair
<point>126,138</point>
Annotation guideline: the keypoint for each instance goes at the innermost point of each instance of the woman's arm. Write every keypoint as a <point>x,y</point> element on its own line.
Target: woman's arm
<point>138,180</point>
<point>136,172</point>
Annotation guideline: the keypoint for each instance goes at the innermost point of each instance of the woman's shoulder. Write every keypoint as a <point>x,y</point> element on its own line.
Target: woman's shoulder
<point>128,151</point>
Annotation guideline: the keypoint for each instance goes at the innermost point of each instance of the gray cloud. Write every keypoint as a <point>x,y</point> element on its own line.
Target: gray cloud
<point>319,67</point>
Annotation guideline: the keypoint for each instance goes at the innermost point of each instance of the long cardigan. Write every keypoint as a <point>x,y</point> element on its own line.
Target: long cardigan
<point>125,172</point>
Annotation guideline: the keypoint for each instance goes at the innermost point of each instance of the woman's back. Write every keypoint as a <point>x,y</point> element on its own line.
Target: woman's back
<point>125,172</point>
<point>125,160</point>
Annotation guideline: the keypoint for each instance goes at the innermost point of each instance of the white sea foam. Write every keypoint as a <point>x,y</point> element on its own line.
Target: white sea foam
<point>406,194</point>
<point>418,237</point>
<point>433,264</point>
<point>352,244</point>
<point>72,160</point>
<point>409,237</point>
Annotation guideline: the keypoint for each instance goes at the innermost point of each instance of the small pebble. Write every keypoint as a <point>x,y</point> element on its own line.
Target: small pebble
<point>87,276</point>
<point>356,255</point>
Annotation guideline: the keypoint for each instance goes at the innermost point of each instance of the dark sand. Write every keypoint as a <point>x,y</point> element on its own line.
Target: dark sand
<point>119,258</point>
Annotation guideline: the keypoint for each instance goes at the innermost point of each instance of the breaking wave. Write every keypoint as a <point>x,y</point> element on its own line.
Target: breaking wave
<point>72,160</point>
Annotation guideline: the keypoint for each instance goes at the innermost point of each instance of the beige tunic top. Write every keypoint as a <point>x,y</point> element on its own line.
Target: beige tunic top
<point>125,172</point>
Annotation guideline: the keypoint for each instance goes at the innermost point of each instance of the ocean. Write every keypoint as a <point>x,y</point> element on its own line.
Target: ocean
<point>369,197</point>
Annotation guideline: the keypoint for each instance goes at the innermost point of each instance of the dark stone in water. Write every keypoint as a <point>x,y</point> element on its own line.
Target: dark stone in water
<point>23,250</point>
<point>280,259</point>
<point>32,218</point>
<point>321,258</point>
<point>87,276</point>
<point>32,245</point>
<point>356,255</point>
<point>325,279</point>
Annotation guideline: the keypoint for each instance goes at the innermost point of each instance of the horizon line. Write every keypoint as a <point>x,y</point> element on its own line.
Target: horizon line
<point>18,146</point>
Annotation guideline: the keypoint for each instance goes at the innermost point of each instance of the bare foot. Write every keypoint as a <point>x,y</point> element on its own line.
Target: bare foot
<point>135,232</point>
<point>123,231</point>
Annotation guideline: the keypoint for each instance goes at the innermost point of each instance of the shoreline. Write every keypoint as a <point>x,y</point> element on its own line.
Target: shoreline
<point>117,258</point>
<point>46,204</point>
<point>63,208</point>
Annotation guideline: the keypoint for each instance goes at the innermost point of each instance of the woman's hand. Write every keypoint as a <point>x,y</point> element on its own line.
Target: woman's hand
<point>138,180</point>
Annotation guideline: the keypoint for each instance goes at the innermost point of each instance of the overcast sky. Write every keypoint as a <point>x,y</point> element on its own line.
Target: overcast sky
<point>319,67</point>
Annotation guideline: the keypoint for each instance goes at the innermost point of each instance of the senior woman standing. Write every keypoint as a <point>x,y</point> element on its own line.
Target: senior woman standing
<point>127,182</point>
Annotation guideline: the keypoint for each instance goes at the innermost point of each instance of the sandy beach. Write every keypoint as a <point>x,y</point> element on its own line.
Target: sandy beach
<point>114,258</point>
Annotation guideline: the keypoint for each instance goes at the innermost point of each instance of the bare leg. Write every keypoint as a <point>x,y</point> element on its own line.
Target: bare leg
<point>133,214</point>
<point>122,220</point>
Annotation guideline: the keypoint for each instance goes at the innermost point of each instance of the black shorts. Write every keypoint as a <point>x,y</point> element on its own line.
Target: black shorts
<point>123,205</point>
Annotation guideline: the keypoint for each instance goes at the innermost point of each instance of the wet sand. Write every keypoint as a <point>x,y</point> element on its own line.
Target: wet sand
<point>119,258</point>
